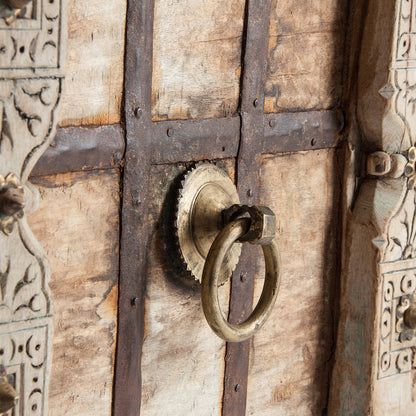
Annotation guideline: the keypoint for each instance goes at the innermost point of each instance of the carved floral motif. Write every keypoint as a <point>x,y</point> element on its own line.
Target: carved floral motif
<point>30,90</point>
<point>397,266</point>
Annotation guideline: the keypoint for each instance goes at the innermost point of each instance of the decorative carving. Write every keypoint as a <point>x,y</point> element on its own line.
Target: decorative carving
<point>30,89</point>
<point>32,40</point>
<point>401,231</point>
<point>396,339</point>
<point>375,344</point>
<point>25,352</point>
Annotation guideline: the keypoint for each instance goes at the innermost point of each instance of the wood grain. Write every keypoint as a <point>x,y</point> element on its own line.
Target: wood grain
<point>94,63</point>
<point>78,225</point>
<point>289,368</point>
<point>196,59</point>
<point>182,361</point>
<point>305,55</point>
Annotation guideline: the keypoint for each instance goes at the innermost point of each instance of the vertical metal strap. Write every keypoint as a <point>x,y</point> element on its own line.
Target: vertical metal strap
<point>135,230</point>
<point>254,69</point>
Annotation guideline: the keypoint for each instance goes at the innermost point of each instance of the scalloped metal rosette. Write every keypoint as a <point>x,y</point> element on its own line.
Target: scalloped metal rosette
<point>206,191</point>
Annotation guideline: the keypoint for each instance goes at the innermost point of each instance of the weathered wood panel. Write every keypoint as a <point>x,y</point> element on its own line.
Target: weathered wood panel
<point>78,225</point>
<point>305,55</point>
<point>196,58</point>
<point>182,361</point>
<point>94,64</point>
<point>289,368</point>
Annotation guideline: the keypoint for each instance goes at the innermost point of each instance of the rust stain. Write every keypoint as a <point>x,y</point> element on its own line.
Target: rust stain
<point>97,119</point>
<point>107,309</point>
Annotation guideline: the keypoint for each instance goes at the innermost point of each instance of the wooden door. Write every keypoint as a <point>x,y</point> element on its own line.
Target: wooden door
<point>256,89</point>
<point>279,94</point>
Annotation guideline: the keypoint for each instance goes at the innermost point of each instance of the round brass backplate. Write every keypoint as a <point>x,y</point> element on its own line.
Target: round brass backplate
<point>206,191</point>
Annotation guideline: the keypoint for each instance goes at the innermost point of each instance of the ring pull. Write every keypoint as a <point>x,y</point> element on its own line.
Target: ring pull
<point>258,229</point>
<point>209,226</point>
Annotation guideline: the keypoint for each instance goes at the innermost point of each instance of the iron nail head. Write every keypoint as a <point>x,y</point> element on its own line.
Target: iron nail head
<point>138,112</point>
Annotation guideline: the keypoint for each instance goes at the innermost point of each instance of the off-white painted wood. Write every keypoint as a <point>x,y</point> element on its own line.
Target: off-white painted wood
<point>78,225</point>
<point>305,55</point>
<point>92,91</point>
<point>289,365</point>
<point>196,58</point>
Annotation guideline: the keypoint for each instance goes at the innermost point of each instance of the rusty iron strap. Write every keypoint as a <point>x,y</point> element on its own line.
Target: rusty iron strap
<point>87,148</point>
<point>255,50</point>
<point>135,232</point>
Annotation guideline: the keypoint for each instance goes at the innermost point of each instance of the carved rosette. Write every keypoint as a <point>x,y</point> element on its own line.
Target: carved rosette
<point>31,51</point>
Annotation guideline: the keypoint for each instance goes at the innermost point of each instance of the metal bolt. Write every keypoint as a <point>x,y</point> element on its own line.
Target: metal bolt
<point>169,132</point>
<point>272,123</point>
<point>313,142</point>
<point>250,193</point>
<point>12,201</point>
<point>53,143</point>
<point>135,301</point>
<point>137,202</point>
<point>237,387</point>
<point>138,112</point>
<point>243,277</point>
<point>256,102</point>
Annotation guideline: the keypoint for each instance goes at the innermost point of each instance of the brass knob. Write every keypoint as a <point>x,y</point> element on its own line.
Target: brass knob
<point>8,395</point>
<point>11,9</point>
<point>17,4</point>
<point>410,317</point>
<point>12,201</point>
<point>210,282</point>
<point>209,220</point>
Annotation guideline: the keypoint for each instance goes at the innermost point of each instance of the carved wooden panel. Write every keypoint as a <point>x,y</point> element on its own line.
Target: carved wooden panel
<point>396,340</point>
<point>375,357</point>
<point>31,48</point>
<point>32,40</point>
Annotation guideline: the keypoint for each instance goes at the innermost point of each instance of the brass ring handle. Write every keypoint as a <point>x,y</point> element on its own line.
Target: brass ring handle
<point>210,282</point>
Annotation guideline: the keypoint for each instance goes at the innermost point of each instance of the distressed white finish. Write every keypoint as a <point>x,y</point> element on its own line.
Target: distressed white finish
<point>30,89</point>
<point>375,355</point>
